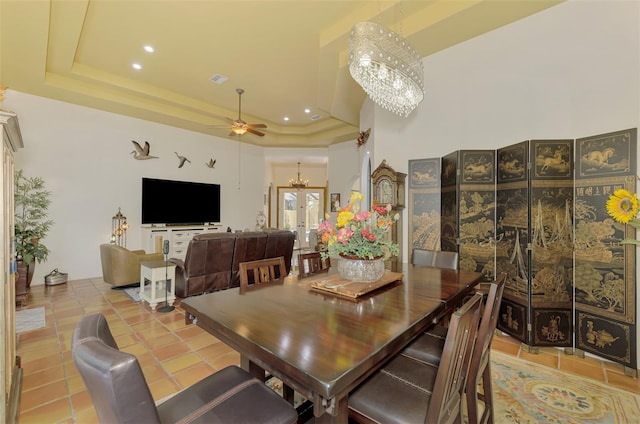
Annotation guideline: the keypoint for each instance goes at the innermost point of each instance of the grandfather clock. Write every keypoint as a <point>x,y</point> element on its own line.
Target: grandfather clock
<point>388,187</point>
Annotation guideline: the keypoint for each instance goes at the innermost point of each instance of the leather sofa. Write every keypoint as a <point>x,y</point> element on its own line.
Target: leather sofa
<point>213,260</point>
<point>121,266</point>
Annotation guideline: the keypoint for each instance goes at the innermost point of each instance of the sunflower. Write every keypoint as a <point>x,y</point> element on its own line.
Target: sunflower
<point>622,206</point>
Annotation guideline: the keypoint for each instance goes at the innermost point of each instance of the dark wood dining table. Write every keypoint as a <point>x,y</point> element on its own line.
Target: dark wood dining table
<point>322,345</point>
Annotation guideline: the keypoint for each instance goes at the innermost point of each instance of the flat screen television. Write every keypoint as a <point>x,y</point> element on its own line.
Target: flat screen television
<point>179,202</point>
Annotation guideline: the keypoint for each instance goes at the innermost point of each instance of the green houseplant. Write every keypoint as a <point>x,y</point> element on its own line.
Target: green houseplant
<point>32,201</point>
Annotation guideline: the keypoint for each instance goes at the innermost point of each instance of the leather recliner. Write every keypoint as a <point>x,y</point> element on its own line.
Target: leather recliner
<point>121,266</point>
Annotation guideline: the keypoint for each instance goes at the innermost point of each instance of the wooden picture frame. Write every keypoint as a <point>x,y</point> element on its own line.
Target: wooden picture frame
<point>335,202</point>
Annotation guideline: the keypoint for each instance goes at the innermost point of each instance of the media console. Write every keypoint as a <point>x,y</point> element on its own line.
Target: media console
<point>178,235</point>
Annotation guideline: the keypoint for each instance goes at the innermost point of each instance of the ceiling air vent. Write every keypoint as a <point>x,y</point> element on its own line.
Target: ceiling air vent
<point>315,117</point>
<point>218,79</point>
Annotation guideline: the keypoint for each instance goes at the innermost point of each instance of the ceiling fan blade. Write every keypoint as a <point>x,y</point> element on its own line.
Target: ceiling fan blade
<point>232,133</point>
<point>254,132</point>
<point>257,125</point>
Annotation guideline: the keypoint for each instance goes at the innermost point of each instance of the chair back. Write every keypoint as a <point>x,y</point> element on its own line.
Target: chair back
<point>263,271</point>
<point>446,259</point>
<point>114,379</point>
<point>312,263</point>
<point>479,364</point>
<point>445,405</point>
<point>423,257</point>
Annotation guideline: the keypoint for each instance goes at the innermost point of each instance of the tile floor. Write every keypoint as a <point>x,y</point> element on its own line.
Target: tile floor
<point>172,355</point>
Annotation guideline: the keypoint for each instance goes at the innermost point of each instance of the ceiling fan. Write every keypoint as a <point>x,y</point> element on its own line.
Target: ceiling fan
<point>238,126</point>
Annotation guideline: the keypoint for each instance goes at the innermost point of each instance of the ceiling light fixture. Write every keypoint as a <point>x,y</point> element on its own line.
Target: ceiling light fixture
<point>298,183</point>
<point>149,49</point>
<point>387,67</point>
<point>307,110</point>
<point>286,118</point>
<point>136,66</point>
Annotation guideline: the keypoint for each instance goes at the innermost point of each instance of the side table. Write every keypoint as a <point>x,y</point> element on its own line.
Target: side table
<point>154,292</point>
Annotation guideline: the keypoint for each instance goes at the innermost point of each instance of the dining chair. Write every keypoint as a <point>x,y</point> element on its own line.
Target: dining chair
<point>120,393</point>
<point>406,390</point>
<point>429,348</point>
<point>423,257</point>
<point>262,271</point>
<point>444,259</point>
<point>312,263</point>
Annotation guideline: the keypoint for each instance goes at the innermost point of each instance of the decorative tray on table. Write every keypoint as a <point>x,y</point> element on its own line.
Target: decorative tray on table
<point>333,283</point>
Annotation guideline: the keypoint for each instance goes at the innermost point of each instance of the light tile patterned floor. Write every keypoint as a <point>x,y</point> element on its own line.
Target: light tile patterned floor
<point>172,355</point>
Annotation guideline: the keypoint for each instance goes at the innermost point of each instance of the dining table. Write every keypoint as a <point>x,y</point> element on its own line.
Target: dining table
<point>321,344</point>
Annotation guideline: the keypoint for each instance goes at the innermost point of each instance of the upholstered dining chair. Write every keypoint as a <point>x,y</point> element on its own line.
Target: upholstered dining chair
<point>423,257</point>
<point>262,271</point>
<point>312,263</point>
<point>429,348</point>
<point>444,259</point>
<point>120,393</point>
<point>406,390</point>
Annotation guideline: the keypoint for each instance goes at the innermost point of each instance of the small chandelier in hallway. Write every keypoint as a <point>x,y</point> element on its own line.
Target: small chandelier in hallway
<point>298,183</point>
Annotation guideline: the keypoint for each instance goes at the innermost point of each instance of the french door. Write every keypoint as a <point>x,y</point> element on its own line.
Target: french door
<point>300,210</point>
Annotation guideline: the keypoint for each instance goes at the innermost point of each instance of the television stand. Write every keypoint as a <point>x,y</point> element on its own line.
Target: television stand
<point>153,237</point>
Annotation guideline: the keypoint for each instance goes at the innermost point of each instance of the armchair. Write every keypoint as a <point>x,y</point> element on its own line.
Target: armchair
<point>120,266</point>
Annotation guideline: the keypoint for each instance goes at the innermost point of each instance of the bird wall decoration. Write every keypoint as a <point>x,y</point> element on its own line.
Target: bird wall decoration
<point>142,153</point>
<point>364,137</point>
<point>211,163</point>
<point>182,160</point>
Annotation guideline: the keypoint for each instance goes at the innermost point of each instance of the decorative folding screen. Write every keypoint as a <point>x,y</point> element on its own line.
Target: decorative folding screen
<point>605,309</point>
<point>424,204</point>
<point>548,214</point>
<point>534,232</point>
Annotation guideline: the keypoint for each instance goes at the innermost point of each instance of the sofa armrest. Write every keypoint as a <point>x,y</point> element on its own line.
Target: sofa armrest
<point>179,263</point>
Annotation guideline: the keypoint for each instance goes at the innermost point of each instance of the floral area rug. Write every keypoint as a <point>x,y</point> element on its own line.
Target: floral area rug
<point>528,393</point>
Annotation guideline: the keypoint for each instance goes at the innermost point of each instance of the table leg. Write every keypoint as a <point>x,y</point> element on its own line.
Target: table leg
<point>331,411</point>
<point>253,369</point>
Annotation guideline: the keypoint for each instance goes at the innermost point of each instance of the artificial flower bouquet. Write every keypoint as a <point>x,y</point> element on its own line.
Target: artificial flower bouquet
<point>360,234</point>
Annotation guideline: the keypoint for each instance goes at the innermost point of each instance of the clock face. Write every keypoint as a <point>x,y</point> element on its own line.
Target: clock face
<point>385,192</point>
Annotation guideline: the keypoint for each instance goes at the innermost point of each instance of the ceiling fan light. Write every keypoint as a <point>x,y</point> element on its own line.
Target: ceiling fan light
<point>239,130</point>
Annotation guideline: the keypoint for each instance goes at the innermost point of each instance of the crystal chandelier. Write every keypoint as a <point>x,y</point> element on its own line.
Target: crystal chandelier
<point>387,67</point>
<point>298,183</point>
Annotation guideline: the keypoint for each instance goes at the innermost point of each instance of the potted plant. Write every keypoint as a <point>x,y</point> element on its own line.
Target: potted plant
<point>31,225</point>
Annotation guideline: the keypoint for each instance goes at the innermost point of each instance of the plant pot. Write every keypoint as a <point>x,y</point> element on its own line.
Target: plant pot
<point>23,281</point>
<point>360,270</point>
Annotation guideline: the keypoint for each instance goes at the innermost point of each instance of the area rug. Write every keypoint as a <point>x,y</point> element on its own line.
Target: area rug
<point>528,393</point>
<point>133,293</point>
<point>30,319</point>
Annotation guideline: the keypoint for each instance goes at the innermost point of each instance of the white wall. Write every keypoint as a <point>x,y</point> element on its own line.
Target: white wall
<point>84,157</point>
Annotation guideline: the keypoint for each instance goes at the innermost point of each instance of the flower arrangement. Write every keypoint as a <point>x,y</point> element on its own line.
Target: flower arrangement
<point>360,234</point>
<point>623,207</point>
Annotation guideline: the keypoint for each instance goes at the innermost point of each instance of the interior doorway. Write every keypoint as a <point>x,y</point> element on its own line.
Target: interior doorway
<point>300,210</point>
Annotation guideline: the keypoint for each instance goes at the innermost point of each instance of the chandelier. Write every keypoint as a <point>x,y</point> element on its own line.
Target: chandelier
<point>298,183</point>
<point>387,67</point>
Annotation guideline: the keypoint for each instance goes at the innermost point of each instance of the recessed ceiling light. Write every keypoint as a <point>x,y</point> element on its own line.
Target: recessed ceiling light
<point>136,66</point>
<point>307,110</point>
<point>149,49</point>
<point>286,118</point>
